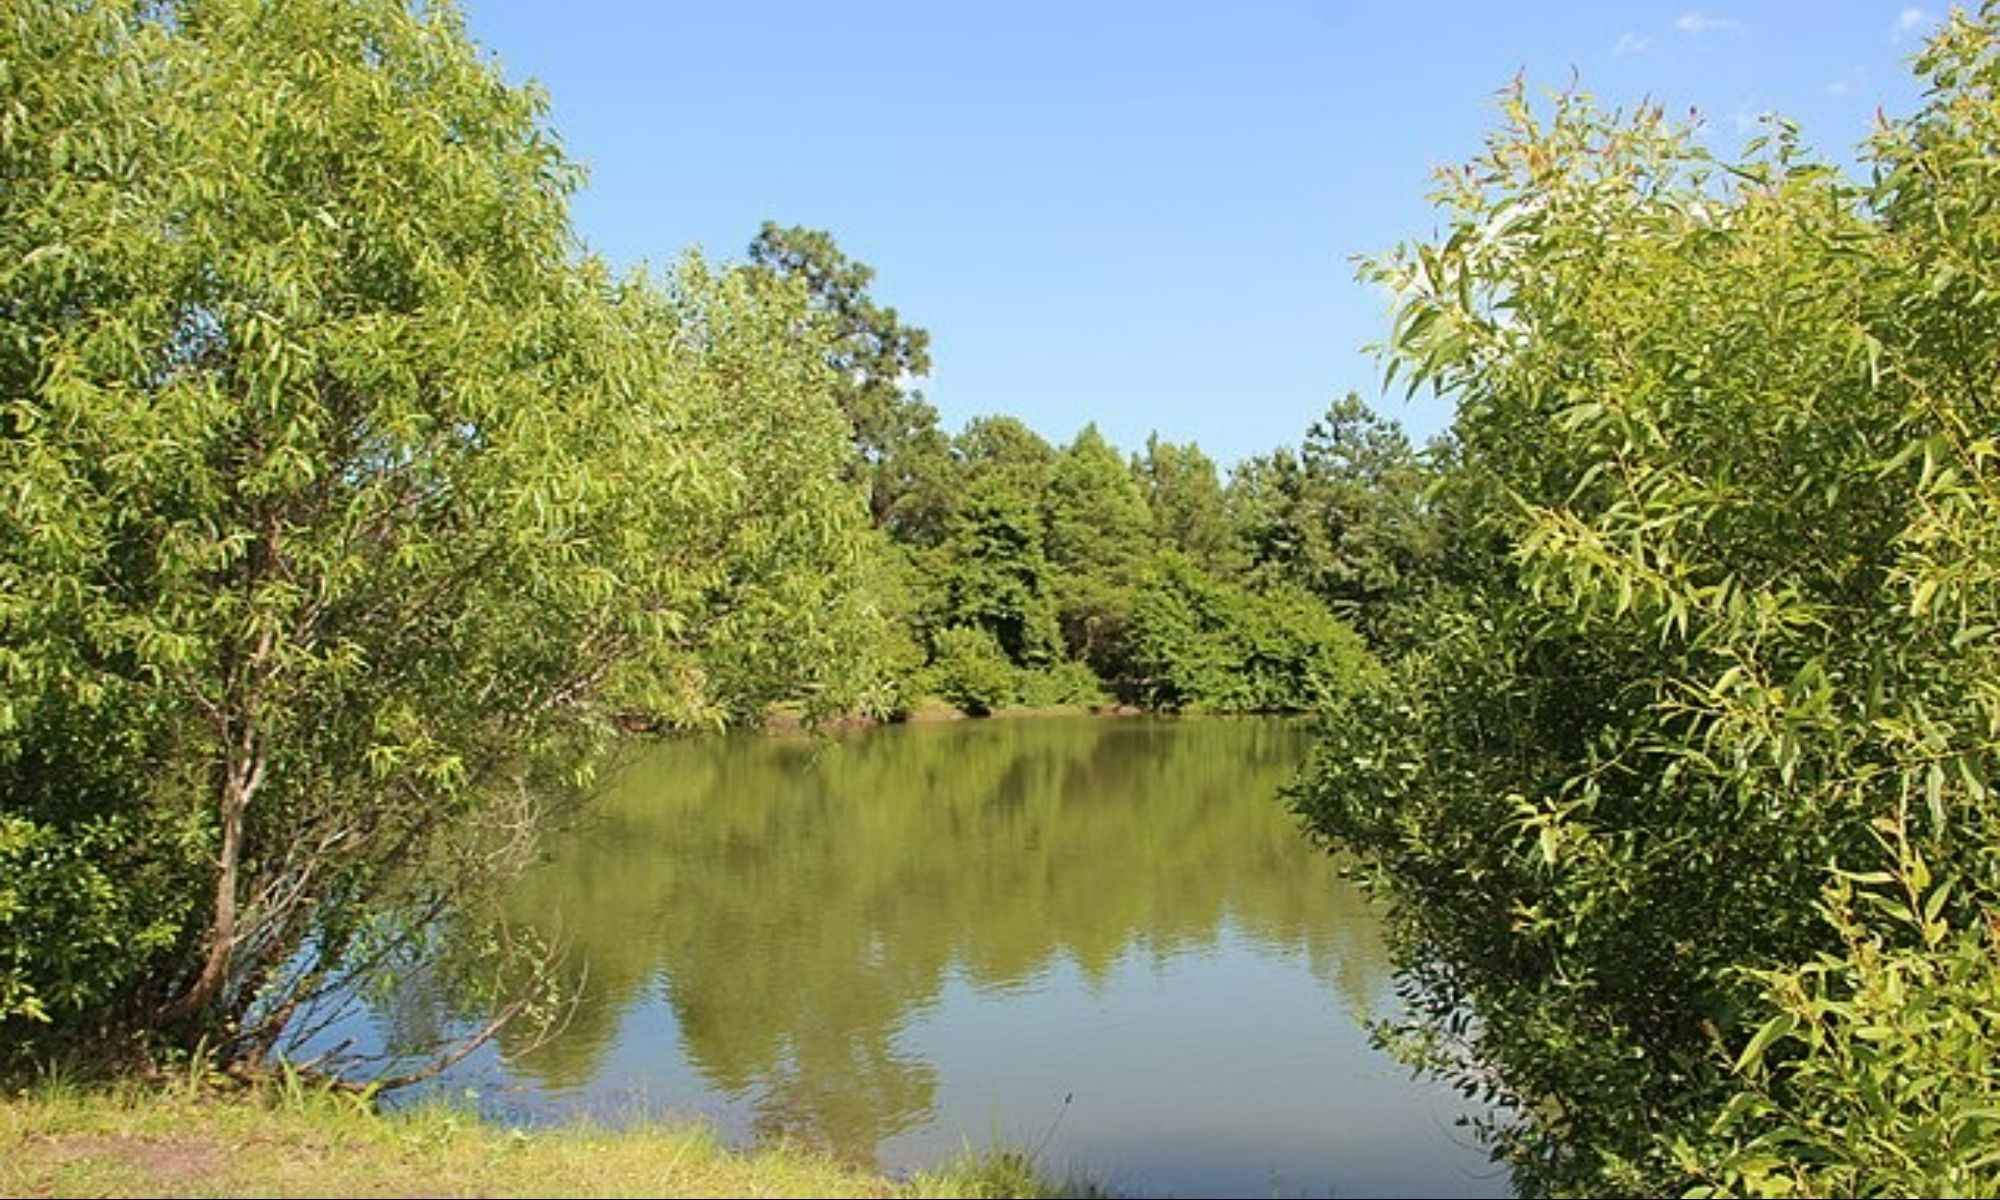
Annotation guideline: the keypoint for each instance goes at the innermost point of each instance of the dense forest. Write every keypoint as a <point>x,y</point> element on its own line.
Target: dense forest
<point>356,514</point>
<point>1012,571</point>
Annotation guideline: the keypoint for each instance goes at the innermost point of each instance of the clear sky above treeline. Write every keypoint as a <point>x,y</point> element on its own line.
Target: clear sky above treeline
<point>1138,214</point>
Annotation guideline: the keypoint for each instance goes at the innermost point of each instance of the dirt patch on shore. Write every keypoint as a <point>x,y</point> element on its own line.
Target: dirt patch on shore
<point>165,1160</point>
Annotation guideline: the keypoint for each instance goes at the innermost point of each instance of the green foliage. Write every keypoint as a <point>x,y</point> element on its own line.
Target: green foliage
<point>1006,452</point>
<point>1727,500</point>
<point>1345,518</point>
<point>995,574</point>
<point>1069,682</point>
<point>1044,549</point>
<point>914,488</point>
<point>871,354</point>
<point>1878,1073</point>
<point>347,507</point>
<point>969,669</point>
<point>74,920</point>
<point>1190,511</point>
<point>880,656</point>
<point>1198,643</point>
<point>1099,533</point>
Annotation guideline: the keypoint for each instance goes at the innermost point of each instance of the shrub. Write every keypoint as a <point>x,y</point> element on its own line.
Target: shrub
<point>968,669</point>
<point>1067,682</point>
<point>1195,642</point>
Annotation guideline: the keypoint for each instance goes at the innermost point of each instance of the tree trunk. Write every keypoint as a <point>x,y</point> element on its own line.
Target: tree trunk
<point>240,782</point>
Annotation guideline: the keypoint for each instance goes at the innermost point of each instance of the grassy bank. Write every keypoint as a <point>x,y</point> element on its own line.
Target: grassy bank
<point>128,1141</point>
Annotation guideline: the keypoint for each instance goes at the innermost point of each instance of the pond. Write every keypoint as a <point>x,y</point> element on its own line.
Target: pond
<point>1103,939</point>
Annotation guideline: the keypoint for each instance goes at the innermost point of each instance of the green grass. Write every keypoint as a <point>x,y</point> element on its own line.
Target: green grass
<point>58,1140</point>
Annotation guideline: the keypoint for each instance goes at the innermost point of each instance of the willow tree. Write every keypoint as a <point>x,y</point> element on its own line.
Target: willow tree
<point>348,505</point>
<point>1682,790</point>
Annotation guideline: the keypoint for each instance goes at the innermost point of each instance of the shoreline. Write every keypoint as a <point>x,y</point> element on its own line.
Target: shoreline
<point>278,1140</point>
<point>782,721</point>
<point>932,711</point>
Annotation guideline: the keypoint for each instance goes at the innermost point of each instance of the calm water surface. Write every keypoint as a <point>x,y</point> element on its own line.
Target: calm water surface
<point>1102,937</point>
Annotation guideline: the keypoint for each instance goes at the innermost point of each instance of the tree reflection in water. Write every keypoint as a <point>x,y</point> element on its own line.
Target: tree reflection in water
<point>799,903</point>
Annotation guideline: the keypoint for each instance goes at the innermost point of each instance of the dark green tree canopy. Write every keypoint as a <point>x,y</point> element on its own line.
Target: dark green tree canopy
<point>873,355</point>
<point>1196,643</point>
<point>1345,516</point>
<point>1100,532</point>
<point>997,576</point>
<point>1004,447</point>
<point>1190,511</point>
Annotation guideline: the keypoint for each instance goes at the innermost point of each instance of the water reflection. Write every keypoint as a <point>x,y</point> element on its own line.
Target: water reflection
<point>797,902</point>
<point>875,943</point>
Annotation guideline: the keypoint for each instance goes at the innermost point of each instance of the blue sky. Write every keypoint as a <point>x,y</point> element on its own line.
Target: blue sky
<point>1139,214</point>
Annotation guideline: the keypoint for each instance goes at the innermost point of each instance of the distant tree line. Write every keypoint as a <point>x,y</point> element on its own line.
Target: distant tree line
<point>1026,573</point>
